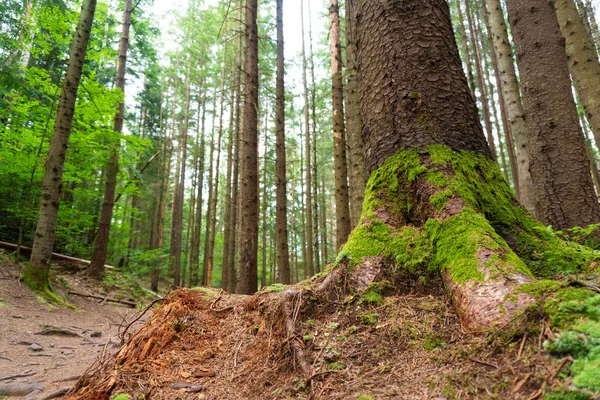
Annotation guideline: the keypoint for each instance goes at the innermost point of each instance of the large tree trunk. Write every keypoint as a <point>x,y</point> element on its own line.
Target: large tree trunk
<point>247,276</point>
<point>96,268</point>
<point>435,201</point>
<point>342,207</point>
<point>308,262</point>
<point>37,273</point>
<point>512,99</point>
<point>356,169</point>
<point>583,62</point>
<point>559,166</point>
<point>283,258</point>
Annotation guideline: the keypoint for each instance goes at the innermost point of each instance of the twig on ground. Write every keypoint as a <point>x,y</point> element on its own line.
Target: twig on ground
<point>137,318</point>
<point>21,375</point>
<point>56,394</point>
<point>483,363</point>
<point>522,345</point>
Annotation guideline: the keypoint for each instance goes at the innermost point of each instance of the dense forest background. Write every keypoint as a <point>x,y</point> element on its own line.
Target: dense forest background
<point>178,156</point>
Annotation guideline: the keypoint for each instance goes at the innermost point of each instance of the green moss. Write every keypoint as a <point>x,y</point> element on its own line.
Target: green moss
<point>432,342</point>
<point>337,366</point>
<point>369,318</point>
<point>122,396</point>
<point>308,338</point>
<point>275,288</point>
<point>540,288</point>
<point>576,313</point>
<point>566,394</point>
<point>366,397</point>
<point>207,293</point>
<point>375,291</point>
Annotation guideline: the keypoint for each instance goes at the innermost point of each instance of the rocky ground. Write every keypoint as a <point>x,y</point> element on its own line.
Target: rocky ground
<point>49,345</point>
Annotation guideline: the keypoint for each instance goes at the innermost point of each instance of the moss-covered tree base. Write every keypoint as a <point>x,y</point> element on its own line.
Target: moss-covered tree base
<point>38,280</point>
<point>435,210</point>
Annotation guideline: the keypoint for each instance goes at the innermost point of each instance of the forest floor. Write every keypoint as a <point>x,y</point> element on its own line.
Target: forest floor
<point>204,344</point>
<point>53,345</point>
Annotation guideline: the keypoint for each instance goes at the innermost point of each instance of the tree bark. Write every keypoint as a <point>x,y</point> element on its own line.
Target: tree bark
<point>196,238</point>
<point>248,276</point>
<point>483,95</point>
<point>37,273</point>
<point>465,48</point>
<point>583,62</point>
<point>510,147</point>
<point>315,175</point>
<point>308,267</point>
<point>431,168</point>
<point>356,169</point>
<point>342,207</point>
<point>283,258</point>
<point>559,166</point>
<point>512,98</point>
<point>96,268</point>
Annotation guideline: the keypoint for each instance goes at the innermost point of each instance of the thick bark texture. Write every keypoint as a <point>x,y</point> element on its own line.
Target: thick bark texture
<point>439,203</point>
<point>418,95</point>
<point>342,201</point>
<point>247,275</point>
<point>96,268</point>
<point>37,272</point>
<point>564,192</point>
<point>583,62</point>
<point>356,169</point>
<point>283,258</point>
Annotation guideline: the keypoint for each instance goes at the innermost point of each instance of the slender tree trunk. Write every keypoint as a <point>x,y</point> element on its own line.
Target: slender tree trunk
<point>583,62</point>
<point>342,208</point>
<point>96,267</point>
<point>247,276</point>
<point>37,273</point>
<point>227,236</point>
<point>512,98</point>
<point>465,48</point>
<point>324,222</point>
<point>179,195</point>
<point>283,259</point>
<point>593,23</point>
<point>263,277</point>
<point>206,263</point>
<point>309,267</point>
<point>481,83</point>
<point>560,166</point>
<point>196,238</point>
<point>505,123</point>
<point>315,176</point>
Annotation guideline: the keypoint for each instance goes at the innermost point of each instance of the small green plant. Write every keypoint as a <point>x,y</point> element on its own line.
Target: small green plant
<point>369,318</point>
<point>337,366</point>
<point>122,396</point>
<point>366,397</point>
<point>352,329</point>
<point>308,338</point>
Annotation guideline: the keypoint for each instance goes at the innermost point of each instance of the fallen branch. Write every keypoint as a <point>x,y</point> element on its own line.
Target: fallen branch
<point>68,378</point>
<point>24,250</point>
<point>21,375</point>
<point>91,296</point>
<point>54,395</point>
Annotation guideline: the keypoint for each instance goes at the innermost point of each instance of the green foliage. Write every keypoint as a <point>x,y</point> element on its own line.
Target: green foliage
<point>566,394</point>
<point>121,396</point>
<point>432,342</point>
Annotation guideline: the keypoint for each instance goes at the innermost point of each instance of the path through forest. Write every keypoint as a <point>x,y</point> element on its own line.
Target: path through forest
<point>56,359</point>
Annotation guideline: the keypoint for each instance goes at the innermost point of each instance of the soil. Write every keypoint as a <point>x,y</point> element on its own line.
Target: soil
<point>56,360</point>
<point>204,344</point>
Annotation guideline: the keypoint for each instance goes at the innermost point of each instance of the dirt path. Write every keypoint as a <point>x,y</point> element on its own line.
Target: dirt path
<point>54,360</point>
